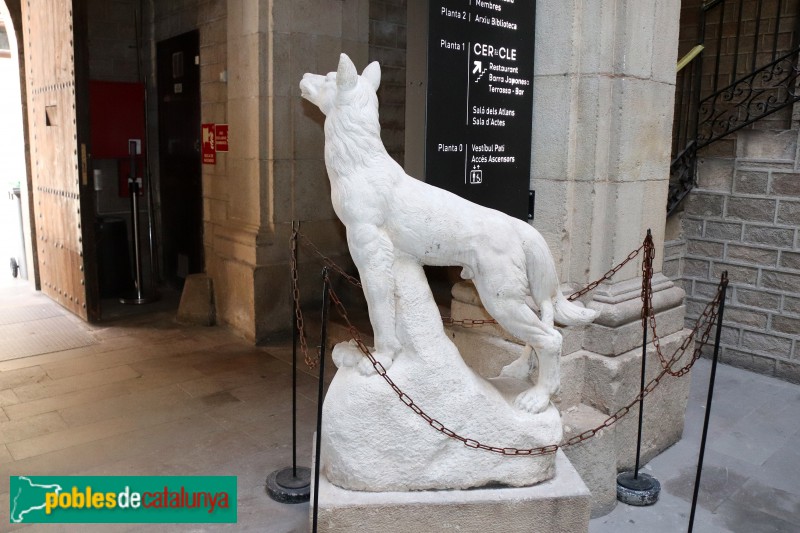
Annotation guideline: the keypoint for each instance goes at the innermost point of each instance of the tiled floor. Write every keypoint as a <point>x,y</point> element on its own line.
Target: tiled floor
<point>153,397</point>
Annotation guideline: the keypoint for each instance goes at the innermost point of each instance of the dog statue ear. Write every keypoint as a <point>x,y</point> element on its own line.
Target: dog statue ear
<point>373,75</point>
<point>346,74</point>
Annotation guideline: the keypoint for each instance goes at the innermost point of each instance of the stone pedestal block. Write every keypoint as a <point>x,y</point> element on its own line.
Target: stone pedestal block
<point>595,459</point>
<point>197,301</point>
<point>612,382</point>
<point>559,505</point>
<point>618,328</point>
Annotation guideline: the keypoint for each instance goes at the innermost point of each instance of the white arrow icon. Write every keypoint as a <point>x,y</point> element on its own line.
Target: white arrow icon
<point>478,66</point>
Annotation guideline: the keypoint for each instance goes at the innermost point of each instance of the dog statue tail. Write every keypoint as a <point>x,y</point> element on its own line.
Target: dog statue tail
<point>543,280</point>
<point>567,313</point>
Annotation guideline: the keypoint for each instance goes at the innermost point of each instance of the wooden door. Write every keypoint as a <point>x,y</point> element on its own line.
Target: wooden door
<point>179,155</point>
<point>54,35</point>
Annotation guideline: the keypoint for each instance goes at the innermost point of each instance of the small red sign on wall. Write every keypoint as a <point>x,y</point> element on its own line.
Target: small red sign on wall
<point>209,145</point>
<point>222,137</point>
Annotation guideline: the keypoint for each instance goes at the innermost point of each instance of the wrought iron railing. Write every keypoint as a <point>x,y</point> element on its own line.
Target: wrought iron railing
<point>752,50</point>
<point>683,170</point>
<point>751,98</point>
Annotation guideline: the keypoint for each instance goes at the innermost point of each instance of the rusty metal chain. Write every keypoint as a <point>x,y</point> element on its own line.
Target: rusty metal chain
<point>311,362</point>
<point>647,277</point>
<point>705,322</point>
<point>652,384</point>
<point>467,322</point>
<point>649,315</point>
<point>329,262</point>
<point>607,276</point>
<point>512,451</point>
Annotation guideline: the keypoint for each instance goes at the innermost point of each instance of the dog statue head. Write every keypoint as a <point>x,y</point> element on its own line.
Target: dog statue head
<point>342,87</point>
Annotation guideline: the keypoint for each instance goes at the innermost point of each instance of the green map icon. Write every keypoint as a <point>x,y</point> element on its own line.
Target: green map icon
<point>122,499</point>
<point>28,498</point>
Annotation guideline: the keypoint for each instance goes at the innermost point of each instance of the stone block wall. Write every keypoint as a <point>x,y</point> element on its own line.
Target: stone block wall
<point>387,46</point>
<point>112,40</point>
<point>744,217</point>
<point>252,55</point>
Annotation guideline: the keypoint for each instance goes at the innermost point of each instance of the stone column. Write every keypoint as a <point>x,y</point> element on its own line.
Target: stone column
<point>603,105</point>
<point>604,88</point>
<point>236,231</point>
<point>603,96</point>
<point>604,91</point>
<point>274,172</point>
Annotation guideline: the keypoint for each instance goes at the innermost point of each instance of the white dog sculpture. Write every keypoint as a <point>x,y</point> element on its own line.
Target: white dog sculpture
<point>389,214</point>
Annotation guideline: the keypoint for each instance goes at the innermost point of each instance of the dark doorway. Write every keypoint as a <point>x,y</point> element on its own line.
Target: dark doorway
<point>179,155</point>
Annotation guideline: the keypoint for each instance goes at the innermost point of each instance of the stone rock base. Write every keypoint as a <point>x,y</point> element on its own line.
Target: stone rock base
<point>372,441</point>
<point>560,505</point>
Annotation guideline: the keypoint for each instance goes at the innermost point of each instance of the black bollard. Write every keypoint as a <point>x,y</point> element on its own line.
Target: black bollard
<point>292,484</point>
<point>723,287</point>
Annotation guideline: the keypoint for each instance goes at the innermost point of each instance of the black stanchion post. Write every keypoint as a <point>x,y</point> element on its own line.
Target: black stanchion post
<point>320,393</point>
<point>138,297</point>
<point>646,314</point>
<point>723,288</point>
<point>292,485</point>
<point>634,488</point>
<point>295,304</point>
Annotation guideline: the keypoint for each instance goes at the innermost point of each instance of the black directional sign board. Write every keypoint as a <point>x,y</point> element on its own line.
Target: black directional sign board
<point>480,101</point>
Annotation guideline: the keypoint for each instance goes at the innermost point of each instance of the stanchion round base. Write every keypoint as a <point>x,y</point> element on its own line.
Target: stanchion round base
<point>136,299</point>
<point>284,487</point>
<point>640,491</point>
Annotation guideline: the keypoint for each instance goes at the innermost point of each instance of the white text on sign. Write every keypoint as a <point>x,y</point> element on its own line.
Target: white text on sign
<point>490,51</point>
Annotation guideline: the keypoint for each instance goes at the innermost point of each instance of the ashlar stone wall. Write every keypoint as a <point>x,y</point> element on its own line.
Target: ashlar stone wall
<point>744,218</point>
<point>253,54</point>
<point>112,40</point>
<point>387,46</point>
<point>603,96</point>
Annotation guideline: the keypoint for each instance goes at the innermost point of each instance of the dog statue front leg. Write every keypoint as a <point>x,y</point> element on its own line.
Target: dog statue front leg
<point>373,254</point>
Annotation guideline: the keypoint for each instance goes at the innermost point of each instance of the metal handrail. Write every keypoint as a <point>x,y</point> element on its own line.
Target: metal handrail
<point>689,57</point>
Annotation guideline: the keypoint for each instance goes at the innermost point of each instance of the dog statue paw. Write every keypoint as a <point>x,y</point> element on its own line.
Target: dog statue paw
<point>534,400</point>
